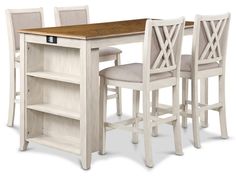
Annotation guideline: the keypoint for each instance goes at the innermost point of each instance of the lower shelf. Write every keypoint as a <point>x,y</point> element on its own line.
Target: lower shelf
<point>57,143</point>
<point>55,110</point>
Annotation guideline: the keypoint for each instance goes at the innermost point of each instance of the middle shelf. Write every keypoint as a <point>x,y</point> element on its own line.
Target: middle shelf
<point>62,77</point>
<point>55,110</point>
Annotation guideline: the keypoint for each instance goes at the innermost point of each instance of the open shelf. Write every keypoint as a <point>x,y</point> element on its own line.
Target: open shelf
<point>61,144</point>
<point>52,101</point>
<point>55,110</point>
<point>62,77</point>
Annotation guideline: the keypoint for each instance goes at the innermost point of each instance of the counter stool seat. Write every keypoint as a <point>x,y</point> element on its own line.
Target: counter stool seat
<point>186,62</point>
<point>132,72</point>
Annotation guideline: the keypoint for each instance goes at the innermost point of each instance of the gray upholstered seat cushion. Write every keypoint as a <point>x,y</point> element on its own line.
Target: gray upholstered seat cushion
<point>186,61</point>
<point>108,51</point>
<point>130,73</point>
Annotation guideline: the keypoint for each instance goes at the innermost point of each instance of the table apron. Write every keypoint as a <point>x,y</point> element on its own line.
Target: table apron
<point>119,40</point>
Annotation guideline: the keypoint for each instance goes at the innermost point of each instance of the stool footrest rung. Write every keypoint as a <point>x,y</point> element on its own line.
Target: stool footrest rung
<point>112,96</point>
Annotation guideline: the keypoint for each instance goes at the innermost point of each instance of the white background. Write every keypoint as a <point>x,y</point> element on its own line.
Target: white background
<point>211,167</point>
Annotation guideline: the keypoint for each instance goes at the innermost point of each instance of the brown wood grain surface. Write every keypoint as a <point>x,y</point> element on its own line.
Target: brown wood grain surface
<point>96,30</point>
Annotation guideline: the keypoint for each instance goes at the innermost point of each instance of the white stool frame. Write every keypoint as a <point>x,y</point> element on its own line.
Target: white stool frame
<point>216,30</point>
<point>166,61</point>
<point>14,62</point>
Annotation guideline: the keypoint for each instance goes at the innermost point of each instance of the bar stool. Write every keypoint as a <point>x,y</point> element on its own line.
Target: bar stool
<point>65,16</point>
<point>207,60</point>
<point>18,19</point>
<point>161,68</point>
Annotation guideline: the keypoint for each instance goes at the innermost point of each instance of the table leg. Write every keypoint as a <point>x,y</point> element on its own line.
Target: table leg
<point>23,92</point>
<point>89,102</point>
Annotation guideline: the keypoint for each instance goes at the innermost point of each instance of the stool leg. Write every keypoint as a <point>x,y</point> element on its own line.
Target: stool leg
<point>195,113</point>
<point>136,97</point>
<point>118,91</point>
<point>102,115</point>
<point>155,99</point>
<point>184,102</point>
<point>12,96</point>
<point>147,128</point>
<point>204,100</point>
<point>222,113</point>
<point>176,123</point>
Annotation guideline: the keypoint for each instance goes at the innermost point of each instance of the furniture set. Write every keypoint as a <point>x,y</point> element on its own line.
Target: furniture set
<point>60,88</point>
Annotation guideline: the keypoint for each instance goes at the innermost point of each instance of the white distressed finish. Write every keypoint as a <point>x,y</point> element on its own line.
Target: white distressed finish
<point>102,115</point>
<point>184,99</point>
<point>167,59</point>
<point>209,46</point>
<point>58,143</point>
<point>14,52</point>
<point>55,76</point>
<point>50,97</point>
<point>23,92</point>
<point>66,11</point>
<point>89,103</point>
<point>204,100</point>
<point>136,99</point>
<point>55,110</point>
<point>155,100</point>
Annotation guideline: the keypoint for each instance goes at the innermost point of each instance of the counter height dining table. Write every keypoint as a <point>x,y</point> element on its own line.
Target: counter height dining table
<point>60,82</point>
